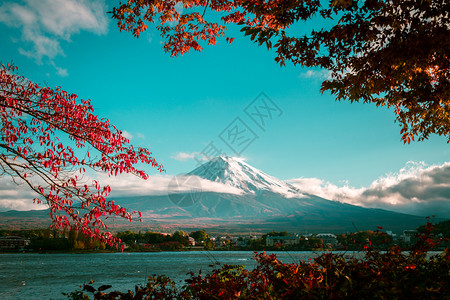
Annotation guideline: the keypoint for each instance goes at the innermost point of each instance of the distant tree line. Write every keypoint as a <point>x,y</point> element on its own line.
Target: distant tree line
<point>155,241</point>
<point>48,240</point>
<point>56,240</point>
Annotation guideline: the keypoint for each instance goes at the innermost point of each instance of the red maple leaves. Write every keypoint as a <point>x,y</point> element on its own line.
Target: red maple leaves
<point>33,120</point>
<point>390,53</point>
<point>183,25</point>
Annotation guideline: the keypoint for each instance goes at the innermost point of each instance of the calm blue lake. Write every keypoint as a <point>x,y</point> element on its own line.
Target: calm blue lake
<point>46,276</point>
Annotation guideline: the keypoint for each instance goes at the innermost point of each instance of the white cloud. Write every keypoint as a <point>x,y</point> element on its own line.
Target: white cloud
<point>20,197</point>
<point>140,135</point>
<point>127,134</point>
<point>65,17</point>
<point>42,45</point>
<point>415,189</point>
<point>316,74</point>
<point>16,196</point>
<point>325,189</point>
<point>62,72</point>
<point>149,36</point>
<point>44,23</point>
<point>179,7</point>
<point>184,156</point>
<point>130,185</point>
<point>20,204</point>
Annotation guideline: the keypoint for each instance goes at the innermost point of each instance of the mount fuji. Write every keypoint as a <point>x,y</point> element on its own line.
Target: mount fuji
<point>237,173</point>
<point>250,200</point>
<point>259,201</point>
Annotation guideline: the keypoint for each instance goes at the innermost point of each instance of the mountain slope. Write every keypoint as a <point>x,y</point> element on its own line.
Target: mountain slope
<point>237,173</point>
<point>266,203</point>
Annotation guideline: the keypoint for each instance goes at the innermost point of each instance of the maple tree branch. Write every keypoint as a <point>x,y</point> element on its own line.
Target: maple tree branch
<point>206,6</point>
<point>20,175</point>
<point>50,121</point>
<point>32,117</point>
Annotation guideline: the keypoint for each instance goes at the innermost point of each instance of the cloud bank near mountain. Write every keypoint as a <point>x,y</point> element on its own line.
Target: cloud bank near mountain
<point>129,185</point>
<point>416,189</point>
<point>16,197</point>
<point>20,197</point>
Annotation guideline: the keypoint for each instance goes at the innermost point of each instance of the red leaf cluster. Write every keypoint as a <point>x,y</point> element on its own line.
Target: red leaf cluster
<point>390,53</point>
<point>33,119</point>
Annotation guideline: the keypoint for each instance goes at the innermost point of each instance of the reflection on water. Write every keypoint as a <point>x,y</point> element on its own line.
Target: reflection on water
<point>46,276</point>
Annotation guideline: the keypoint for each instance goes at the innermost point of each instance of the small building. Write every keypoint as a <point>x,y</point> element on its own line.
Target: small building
<point>328,239</point>
<point>222,241</point>
<point>191,241</point>
<point>13,242</point>
<point>283,240</point>
<point>409,236</point>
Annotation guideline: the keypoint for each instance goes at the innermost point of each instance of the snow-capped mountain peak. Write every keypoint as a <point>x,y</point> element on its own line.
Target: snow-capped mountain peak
<point>236,172</point>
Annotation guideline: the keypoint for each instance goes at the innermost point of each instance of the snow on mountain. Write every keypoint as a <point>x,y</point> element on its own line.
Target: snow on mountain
<point>247,198</point>
<point>237,173</point>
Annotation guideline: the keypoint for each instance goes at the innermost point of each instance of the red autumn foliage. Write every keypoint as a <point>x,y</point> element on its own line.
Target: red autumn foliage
<point>390,53</point>
<point>393,274</point>
<point>34,122</point>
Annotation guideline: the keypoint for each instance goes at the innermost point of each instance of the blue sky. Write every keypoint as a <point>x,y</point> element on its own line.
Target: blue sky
<point>177,106</point>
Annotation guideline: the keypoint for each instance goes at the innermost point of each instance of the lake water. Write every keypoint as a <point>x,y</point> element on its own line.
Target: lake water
<point>46,276</point>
